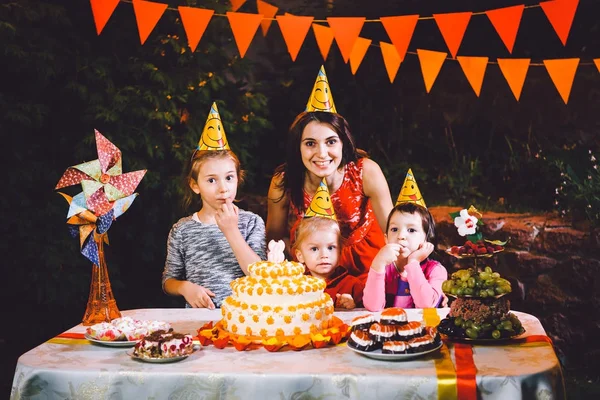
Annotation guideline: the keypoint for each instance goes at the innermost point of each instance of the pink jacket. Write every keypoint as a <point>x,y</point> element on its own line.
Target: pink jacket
<point>421,288</point>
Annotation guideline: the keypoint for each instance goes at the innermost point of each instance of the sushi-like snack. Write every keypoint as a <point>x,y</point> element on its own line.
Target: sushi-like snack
<point>393,316</point>
<point>421,343</point>
<point>395,347</point>
<point>382,333</point>
<point>409,330</point>
<point>363,322</point>
<point>361,340</point>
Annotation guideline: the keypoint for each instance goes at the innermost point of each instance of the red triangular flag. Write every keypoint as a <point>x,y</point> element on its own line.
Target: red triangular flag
<point>268,11</point>
<point>236,4</point>
<point>147,14</point>
<point>562,73</point>
<point>102,10</point>
<point>453,27</point>
<point>515,71</point>
<point>244,27</point>
<point>506,21</point>
<point>597,62</point>
<point>194,20</point>
<point>346,31</point>
<point>391,59</point>
<point>400,30</point>
<point>358,53</point>
<point>431,64</point>
<point>560,13</point>
<point>294,30</point>
<point>324,37</point>
<point>474,69</point>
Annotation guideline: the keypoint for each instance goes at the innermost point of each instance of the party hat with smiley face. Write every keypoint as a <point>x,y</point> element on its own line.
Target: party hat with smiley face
<point>321,99</point>
<point>321,206</point>
<point>213,136</point>
<point>410,192</point>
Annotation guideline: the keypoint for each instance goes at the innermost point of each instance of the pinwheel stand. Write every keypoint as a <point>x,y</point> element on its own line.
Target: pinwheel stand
<point>101,305</point>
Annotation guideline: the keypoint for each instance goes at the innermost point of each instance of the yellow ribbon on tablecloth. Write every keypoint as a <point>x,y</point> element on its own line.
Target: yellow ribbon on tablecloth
<point>58,340</point>
<point>431,317</point>
<point>444,368</point>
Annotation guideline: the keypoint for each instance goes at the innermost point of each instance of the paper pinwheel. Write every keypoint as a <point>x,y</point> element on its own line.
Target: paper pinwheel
<point>107,194</point>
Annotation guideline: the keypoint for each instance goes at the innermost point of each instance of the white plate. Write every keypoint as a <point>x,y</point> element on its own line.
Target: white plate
<point>161,360</point>
<point>378,355</point>
<point>114,343</point>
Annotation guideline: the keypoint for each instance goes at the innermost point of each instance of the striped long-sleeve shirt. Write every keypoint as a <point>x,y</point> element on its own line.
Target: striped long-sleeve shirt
<point>201,254</point>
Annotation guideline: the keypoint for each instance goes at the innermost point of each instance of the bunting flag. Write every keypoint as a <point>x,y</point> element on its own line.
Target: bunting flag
<point>391,59</point>
<point>506,21</point>
<point>244,27</point>
<point>562,73</point>
<point>324,37</point>
<point>560,13</point>
<point>268,11</point>
<point>195,21</point>
<point>431,64</point>
<point>514,70</point>
<point>346,31</point>
<point>102,11</point>
<point>453,27</point>
<point>400,30</point>
<point>236,4</point>
<point>147,14</point>
<point>294,30</point>
<point>474,69</point>
<point>358,53</point>
<point>597,62</point>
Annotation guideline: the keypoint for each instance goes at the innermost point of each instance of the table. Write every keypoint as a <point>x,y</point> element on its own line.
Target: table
<point>78,369</point>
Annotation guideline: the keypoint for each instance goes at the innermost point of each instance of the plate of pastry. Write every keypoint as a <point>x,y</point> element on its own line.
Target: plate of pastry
<point>158,360</point>
<point>391,356</point>
<point>163,347</point>
<point>111,343</point>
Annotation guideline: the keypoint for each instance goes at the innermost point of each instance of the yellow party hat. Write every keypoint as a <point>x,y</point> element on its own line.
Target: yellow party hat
<point>321,99</point>
<point>213,136</point>
<point>410,192</point>
<point>320,205</point>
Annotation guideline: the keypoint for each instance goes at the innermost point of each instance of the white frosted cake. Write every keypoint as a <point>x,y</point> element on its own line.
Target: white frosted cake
<point>277,299</point>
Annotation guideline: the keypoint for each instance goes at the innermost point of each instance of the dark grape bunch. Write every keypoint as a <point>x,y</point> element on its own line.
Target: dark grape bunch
<point>498,328</point>
<point>470,283</point>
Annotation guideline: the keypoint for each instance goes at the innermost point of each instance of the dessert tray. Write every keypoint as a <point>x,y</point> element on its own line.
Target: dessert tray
<point>469,296</point>
<point>111,343</point>
<point>161,360</point>
<point>378,355</point>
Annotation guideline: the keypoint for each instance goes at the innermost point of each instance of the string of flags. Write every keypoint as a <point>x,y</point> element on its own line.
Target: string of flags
<point>345,31</point>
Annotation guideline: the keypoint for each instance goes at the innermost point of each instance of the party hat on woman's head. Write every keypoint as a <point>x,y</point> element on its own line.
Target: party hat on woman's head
<point>213,136</point>
<point>320,205</point>
<point>410,192</point>
<point>321,99</point>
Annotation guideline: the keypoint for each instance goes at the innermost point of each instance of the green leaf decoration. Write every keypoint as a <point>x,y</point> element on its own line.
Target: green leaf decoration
<point>498,242</point>
<point>475,237</point>
<point>454,215</point>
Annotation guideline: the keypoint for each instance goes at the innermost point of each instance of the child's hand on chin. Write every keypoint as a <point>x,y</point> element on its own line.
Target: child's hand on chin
<point>344,301</point>
<point>198,296</point>
<point>387,255</point>
<point>424,250</point>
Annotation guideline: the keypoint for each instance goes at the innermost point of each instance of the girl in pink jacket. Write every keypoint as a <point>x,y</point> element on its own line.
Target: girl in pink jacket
<point>401,275</point>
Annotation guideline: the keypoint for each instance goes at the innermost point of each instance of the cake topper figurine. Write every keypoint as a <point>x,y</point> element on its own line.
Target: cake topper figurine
<point>410,192</point>
<point>320,205</point>
<point>213,136</point>
<point>321,98</point>
<point>275,253</point>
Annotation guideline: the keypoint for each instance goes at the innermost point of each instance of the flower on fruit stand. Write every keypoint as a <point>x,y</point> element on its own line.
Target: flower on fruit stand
<point>466,224</point>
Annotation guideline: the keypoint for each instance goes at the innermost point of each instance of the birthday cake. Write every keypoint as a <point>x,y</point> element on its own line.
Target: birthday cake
<point>277,299</point>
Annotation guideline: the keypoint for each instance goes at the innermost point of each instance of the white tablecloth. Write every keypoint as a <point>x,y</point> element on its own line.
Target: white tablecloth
<point>83,370</point>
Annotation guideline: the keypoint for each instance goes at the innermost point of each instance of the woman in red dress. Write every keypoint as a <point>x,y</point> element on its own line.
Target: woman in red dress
<point>320,145</point>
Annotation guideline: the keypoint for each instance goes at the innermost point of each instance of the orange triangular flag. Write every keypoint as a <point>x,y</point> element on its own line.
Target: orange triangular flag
<point>102,10</point>
<point>431,63</point>
<point>358,53</point>
<point>514,70</point>
<point>474,69</point>
<point>560,13</point>
<point>147,14</point>
<point>400,30</point>
<point>346,31</point>
<point>562,72</point>
<point>244,28</point>
<point>194,20</point>
<point>506,21</point>
<point>268,11</point>
<point>236,4</point>
<point>324,37</point>
<point>294,30</point>
<point>597,62</point>
<point>391,59</point>
<point>453,27</point>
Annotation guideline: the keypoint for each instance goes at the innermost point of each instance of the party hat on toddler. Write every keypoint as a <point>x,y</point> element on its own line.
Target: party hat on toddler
<point>213,136</point>
<point>321,99</point>
<point>410,192</point>
<point>320,205</point>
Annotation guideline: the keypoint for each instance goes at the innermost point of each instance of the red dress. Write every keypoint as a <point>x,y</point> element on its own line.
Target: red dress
<point>363,237</point>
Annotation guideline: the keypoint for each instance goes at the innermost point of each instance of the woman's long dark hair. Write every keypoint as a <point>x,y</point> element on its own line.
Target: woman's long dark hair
<point>292,172</point>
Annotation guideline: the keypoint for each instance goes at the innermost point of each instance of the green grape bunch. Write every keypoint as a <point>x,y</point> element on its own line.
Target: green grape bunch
<point>471,283</point>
